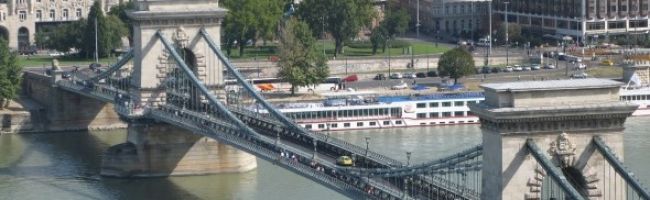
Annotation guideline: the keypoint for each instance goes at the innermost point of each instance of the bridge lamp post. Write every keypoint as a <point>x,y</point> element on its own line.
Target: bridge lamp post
<point>367,144</point>
<point>315,144</point>
<point>408,158</point>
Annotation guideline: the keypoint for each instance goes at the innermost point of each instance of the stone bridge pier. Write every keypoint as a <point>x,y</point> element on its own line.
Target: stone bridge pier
<point>158,150</point>
<point>562,117</point>
<point>155,149</point>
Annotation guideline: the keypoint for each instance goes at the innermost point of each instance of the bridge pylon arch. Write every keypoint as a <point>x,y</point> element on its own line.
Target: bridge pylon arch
<point>559,118</point>
<point>159,149</point>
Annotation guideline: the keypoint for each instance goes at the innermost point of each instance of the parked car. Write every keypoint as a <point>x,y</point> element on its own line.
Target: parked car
<point>400,86</point>
<point>485,70</point>
<point>396,76</point>
<point>549,66</point>
<point>380,77</point>
<point>508,69</point>
<point>409,75</point>
<point>421,75</point>
<point>432,74</point>
<point>517,68</point>
<point>581,66</point>
<point>495,70</point>
<point>535,67</point>
<point>31,50</point>
<point>579,75</point>
<point>55,54</point>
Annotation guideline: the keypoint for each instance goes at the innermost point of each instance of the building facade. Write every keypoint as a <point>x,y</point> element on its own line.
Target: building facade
<point>580,19</point>
<point>456,18</point>
<point>20,18</point>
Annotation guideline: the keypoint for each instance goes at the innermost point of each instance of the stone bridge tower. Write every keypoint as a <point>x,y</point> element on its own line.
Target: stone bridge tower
<point>156,149</point>
<point>562,117</point>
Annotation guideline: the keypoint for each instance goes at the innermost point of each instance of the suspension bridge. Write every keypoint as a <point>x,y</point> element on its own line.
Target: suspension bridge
<point>512,163</point>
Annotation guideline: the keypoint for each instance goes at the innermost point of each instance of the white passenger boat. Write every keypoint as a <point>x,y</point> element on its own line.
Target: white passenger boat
<point>639,96</point>
<point>384,111</point>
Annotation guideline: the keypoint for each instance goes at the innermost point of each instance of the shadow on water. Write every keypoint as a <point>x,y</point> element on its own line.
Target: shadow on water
<point>66,165</point>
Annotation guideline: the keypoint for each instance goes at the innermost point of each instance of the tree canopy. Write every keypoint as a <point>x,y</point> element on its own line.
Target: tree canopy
<point>10,76</point>
<point>456,64</point>
<point>80,35</point>
<point>395,22</point>
<point>343,19</point>
<point>299,63</point>
<point>250,20</point>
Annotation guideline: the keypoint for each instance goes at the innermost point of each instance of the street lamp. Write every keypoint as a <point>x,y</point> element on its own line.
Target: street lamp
<point>417,23</point>
<point>408,158</point>
<point>315,144</point>
<point>367,144</point>
<point>507,44</point>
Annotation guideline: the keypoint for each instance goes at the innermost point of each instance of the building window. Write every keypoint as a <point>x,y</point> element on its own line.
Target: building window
<point>39,15</point>
<point>433,115</point>
<point>52,14</point>
<point>433,105</point>
<point>346,125</point>
<point>446,114</point>
<point>446,104</point>
<point>65,14</point>
<point>459,113</point>
<point>335,125</point>
<point>359,124</point>
<point>616,24</point>
<point>373,123</point>
<point>421,105</point>
<point>422,115</point>
<point>321,126</point>
<point>459,103</point>
<point>78,13</point>
<point>22,15</point>
<point>308,126</point>
<point>398,122</point>
<point>386,123</point>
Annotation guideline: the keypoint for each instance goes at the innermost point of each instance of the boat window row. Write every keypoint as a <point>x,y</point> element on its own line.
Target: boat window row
<point>444,114</point>
<point>446,104</point>
<point>349,125</point>
<point>635,97</point>
<point>345,113</point>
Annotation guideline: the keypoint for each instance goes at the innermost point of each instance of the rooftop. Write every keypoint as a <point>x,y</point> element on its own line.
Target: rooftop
<point>553,85</point>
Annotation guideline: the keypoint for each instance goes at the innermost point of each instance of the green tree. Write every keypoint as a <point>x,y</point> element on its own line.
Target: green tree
<point>62,38</point>
<point>343,19</point>
<point>121,11</point>
<point>300,64</point>
<point>110,31</point>
<point>250,20</point>
<point>10,75</point>
<point>378,38</point>
<point>456,64</point>
<point>396,21</point>
<point>514,33</point>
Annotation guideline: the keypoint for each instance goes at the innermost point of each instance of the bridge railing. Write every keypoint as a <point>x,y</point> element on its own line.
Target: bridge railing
<point>632,182</point>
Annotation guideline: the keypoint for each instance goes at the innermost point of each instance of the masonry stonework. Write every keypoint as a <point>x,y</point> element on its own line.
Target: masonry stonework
<point>562,118</point>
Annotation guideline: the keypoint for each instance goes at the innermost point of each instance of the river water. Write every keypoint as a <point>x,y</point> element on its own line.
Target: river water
<point>65,165</point>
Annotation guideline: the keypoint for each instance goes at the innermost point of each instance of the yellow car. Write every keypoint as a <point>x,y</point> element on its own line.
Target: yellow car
<point>607,63</point>
<point>344,161</point>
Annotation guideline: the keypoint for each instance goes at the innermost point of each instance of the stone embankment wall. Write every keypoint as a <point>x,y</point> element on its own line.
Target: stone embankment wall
<point>371,66</point>
<point>55,109</point>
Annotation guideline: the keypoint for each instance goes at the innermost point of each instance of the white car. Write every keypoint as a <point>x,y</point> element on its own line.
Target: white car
<point>581,66</point>
<point>518,68</point>
<point>55,54</point>
<point>549,66</point>
<point>536,67</point>
<point>396,76</point>
<point>400,86</point>
<point>508,69</point>
<point>409,75</point>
